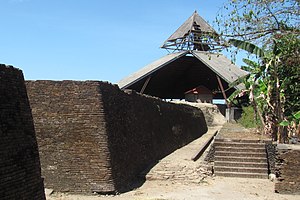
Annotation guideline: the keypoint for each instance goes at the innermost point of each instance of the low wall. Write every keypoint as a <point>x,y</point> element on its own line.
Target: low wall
<point>20,173</point>
<point>212,114</point>
<point>288,181</point>
<point>93,137</point>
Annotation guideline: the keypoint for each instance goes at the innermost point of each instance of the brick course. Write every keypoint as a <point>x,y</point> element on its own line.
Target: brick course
<point>20,173</point>
<point>93,137</point>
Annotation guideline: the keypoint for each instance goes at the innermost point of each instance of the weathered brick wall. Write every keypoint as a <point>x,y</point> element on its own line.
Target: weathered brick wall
<point>94,137</point>
<point>288,171</point>
<point>20,173</point>
<point>142,130</point>
<point>72,137</point>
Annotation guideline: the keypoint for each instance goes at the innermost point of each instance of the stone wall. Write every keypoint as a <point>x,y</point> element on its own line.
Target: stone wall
<point>288,180</point>
<point>20,173</point>
<point>93,137</point>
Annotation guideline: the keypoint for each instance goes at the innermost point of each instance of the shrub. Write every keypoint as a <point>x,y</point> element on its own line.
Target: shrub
<point>248,118</point>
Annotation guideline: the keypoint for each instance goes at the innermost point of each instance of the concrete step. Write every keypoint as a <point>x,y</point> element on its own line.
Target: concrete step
<point>242,141</point>
<point>240,154</point>
<point>241,159</point>
<point>240,149</point>
<point>241,169</point>
<point>242,175</point>
<point>239,144</point>
<point>240,164</point>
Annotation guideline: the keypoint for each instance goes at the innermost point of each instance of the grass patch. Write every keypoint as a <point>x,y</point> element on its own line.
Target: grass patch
<point>248,119</point>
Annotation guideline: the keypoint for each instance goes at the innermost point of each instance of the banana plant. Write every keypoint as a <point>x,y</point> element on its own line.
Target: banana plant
<point>263,85</point>
<point>253,80</point>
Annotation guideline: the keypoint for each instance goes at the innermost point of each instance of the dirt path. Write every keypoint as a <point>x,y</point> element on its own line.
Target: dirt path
<point>177,177</point>
<point>211,189</point>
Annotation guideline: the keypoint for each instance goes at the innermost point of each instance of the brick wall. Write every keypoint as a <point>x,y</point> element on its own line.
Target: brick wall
<point>142,130</point>
<point>72,137</point>
<point>288,181</point>
<point>94,137</point>
<point>20,174</point>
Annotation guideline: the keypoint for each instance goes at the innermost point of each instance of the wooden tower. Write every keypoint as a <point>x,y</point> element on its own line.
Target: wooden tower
<point>194,34</point>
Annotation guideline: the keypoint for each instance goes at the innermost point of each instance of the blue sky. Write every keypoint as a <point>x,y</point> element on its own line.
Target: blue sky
<point>90,39</point>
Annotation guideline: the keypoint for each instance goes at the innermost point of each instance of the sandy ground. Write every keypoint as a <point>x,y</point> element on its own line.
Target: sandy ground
<point>212,188</point>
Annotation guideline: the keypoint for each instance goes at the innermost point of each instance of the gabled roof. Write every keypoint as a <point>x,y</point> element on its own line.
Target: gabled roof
<point>194,22</point>
<point>148,69</point>
<point>174,74</point>
<point>222,66</point>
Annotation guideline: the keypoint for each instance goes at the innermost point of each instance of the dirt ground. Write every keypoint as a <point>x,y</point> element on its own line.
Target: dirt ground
<point>212,188</point>
<point>191,187</point>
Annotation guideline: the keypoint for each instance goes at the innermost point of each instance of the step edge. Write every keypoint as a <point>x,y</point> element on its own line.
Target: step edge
<point>239,143</point>
<point>228,162</point>
<point>243,148</point>
<point>242,173</point>
<point>244,158</point>
<point>250,168</point>
<point>240,152</point>
<point>243,140</point>
<point>238,157</point>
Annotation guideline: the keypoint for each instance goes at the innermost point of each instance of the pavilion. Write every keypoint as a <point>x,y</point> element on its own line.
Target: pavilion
<point>192,62</point>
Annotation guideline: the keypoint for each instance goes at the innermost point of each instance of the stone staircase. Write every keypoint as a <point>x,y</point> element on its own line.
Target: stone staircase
<point>179,166</point>
<point>240,158</point>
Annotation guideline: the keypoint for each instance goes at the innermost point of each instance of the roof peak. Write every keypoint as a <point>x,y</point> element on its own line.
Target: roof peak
<point>194,34</point>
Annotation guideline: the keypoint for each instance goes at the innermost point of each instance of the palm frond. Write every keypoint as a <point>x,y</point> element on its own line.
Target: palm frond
<point>247,46</point>
<point>239,80</point>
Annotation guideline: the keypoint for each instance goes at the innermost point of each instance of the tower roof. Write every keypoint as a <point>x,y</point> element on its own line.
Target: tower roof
<point>194,34</point>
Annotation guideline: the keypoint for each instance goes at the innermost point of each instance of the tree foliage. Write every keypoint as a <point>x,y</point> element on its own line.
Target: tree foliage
<point>273,84</point>
<point>269,30</point>
<point>258,21</point>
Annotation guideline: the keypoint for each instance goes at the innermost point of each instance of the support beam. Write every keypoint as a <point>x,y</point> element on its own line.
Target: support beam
<point>145,84</point>
<point>223,91</point>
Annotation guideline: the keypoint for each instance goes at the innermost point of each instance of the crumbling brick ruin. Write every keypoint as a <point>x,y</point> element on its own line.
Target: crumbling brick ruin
<point>288,172</point>
<point>93,137</point>
<point>20,173</point>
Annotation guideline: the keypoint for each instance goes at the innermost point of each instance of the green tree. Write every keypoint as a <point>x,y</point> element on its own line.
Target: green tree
<point>272,84</point>
<point>258,21</point>
<point>268,29</point>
